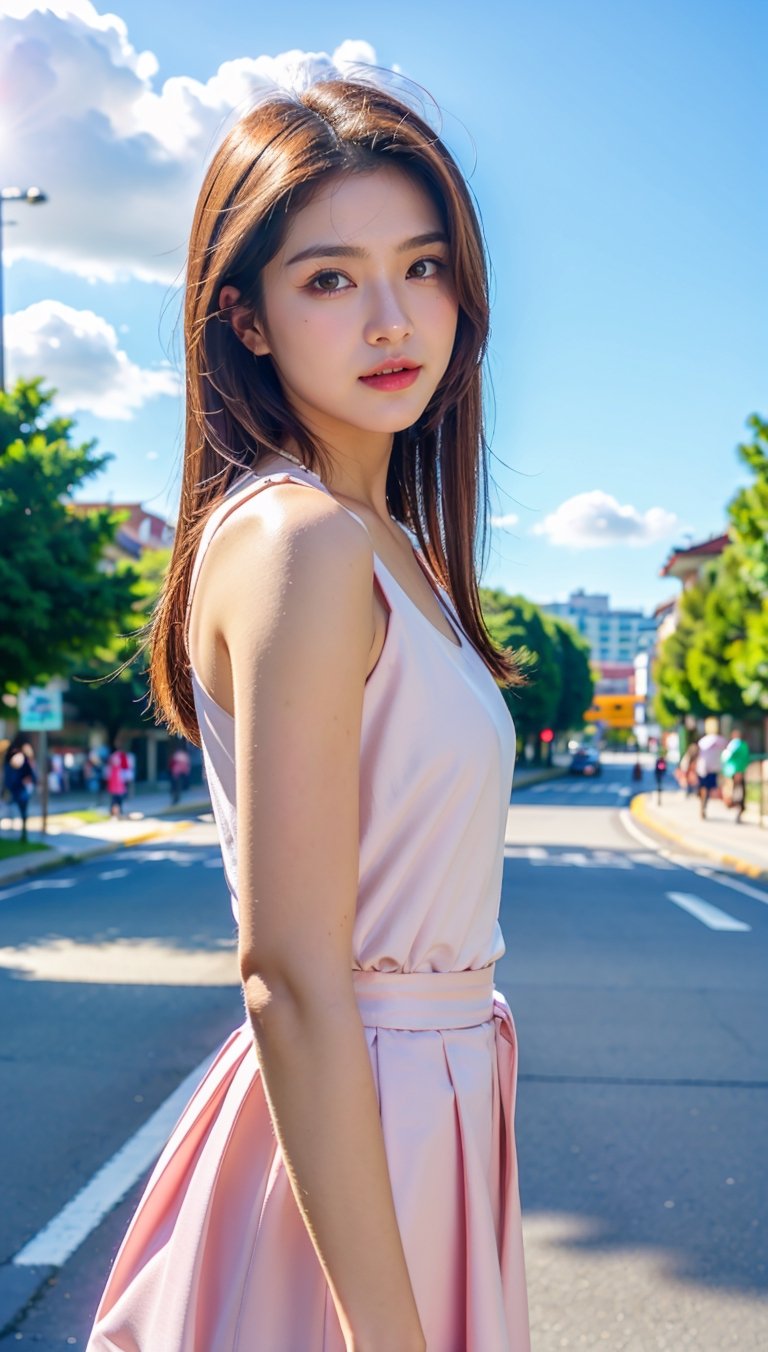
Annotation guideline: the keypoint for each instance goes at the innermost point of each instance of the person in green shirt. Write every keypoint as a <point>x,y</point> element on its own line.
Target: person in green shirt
<point>734,762</point>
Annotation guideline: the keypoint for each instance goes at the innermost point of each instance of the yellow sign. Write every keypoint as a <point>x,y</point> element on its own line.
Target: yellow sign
<point>613,711</point>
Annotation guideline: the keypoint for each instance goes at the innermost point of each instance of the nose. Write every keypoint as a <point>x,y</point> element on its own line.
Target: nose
<point>388,320</point>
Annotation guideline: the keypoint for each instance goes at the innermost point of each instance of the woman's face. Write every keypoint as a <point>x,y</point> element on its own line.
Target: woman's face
<point>361,282</point>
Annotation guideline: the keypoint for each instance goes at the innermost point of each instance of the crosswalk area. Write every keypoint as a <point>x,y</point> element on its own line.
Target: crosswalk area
<point>580,787</point>
<point>542,856</point>
<point>180,857</point>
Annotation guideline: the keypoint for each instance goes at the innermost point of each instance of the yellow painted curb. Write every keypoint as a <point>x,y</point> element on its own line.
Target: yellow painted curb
<point>638,809</point>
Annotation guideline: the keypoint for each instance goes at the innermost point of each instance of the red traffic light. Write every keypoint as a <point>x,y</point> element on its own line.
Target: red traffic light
<point>546,734</point>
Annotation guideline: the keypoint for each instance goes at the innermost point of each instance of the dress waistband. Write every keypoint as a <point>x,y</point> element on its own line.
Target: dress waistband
<point>422,1000</point>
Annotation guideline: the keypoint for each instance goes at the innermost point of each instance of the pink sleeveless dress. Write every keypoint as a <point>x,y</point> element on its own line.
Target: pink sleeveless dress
<point>217,1257</point>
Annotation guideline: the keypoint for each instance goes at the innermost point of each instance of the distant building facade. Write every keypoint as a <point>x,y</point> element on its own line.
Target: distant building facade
<point>614,636</point>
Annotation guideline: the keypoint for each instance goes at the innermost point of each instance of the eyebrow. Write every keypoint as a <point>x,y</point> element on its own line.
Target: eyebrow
<point>350,251</point>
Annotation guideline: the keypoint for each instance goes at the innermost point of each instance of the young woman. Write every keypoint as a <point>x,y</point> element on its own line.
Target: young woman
<point>344,1178</point>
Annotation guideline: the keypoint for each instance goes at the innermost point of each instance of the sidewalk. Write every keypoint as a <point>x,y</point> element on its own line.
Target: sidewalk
<point>71,838</point>
<point>742,847</point>
<point>526,776</point>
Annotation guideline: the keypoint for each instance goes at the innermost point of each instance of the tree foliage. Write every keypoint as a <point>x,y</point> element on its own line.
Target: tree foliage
<point>554,659</point>
<point>112,688</point>
<point>716,660</point>
<point>57,601</point>
<point>748,512</point>
<point>578,684</point>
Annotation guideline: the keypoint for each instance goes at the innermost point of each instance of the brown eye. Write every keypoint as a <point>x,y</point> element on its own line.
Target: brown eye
<point>327,283</point>
<point>425,263</point>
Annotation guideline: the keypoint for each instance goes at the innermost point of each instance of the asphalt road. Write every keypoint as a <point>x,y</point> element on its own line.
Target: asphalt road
<point>643,1084</point>
<point>643,1090</point>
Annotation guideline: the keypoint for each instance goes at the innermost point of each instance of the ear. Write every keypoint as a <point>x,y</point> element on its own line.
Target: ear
<point>243,321</point>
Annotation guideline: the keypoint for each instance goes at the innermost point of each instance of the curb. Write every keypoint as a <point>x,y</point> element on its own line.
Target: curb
<point>55,858</point>
<point>540,777</point>
<point>638,809</point>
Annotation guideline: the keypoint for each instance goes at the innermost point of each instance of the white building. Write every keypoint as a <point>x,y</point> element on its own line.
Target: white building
<point>614,636</point>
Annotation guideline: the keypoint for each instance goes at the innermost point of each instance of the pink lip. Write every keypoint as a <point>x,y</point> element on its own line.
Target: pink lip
<point>396,380</point>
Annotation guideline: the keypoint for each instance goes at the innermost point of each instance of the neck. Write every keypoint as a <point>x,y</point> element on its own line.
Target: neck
<point>360,479</point>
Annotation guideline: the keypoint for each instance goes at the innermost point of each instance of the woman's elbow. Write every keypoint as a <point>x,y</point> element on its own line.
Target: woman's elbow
<point>300,989</point>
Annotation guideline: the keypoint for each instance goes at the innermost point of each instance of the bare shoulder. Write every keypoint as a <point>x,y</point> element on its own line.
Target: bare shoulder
<point>286,565</point>
<point>285,538</point>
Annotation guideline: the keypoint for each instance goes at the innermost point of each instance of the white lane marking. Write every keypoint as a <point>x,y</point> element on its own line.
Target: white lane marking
<point>82,1213</point>
<point>709,915</point>
<point>538,788</point>
<point>689,862</point>
<point>111,873</point>
<point>38,885</point>
<point>650,842</point>
<point>213,863</point>
<point>607,859</point>
<point>624,792</point>
<point>611,859</point>
<point>734,883</point>
<point>650,860</point>
<point>159,856</point>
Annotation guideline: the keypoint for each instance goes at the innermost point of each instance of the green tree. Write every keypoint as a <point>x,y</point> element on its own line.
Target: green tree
<point>112,689</point>
<point>718,640</point>
<point>58,602</point>
<point>748,512</point>
<point>516,623</point>
<point>577,682</point>
<point>748,556</point>
<point>676,696</point>
<point>716,661</point>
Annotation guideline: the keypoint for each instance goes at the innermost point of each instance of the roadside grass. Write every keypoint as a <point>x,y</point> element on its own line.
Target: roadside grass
<point>88,815</point>
<point>10,848</point>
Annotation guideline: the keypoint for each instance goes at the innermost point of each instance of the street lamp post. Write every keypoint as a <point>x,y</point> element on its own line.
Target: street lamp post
<point>35,196</point>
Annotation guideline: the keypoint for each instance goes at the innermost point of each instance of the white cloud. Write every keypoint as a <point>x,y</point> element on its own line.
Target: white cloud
<point>80,355</point>
<point>594,519</point>
<point>120,160</point>
<point>500,522</point>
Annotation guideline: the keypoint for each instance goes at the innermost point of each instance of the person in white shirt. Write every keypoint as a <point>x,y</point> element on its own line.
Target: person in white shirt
<point>711,748</point>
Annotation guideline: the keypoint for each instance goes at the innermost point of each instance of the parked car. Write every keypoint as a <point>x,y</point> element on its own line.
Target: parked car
<point>585,761</point>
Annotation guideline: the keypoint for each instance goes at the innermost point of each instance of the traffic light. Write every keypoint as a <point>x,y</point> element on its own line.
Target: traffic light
<point>546,734</point>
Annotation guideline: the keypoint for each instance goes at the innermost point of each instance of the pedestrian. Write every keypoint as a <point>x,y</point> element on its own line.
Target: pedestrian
<point>711,747</point>
<point>179,767</point>
<point>344,1176</point>
<point>659,770</point>
<point>637,771</point>
<point>117,779</point>
<point>20,778</point>
<point>93,773</point>
<point>733,763</point>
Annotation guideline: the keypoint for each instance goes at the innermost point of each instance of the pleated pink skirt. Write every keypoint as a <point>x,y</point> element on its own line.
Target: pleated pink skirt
<point>217,1257</point>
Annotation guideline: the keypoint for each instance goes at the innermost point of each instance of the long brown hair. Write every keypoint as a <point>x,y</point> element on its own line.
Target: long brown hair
<point>268,166</point>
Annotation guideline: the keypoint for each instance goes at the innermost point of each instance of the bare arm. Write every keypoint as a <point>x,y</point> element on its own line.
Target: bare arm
<point>298,635</point>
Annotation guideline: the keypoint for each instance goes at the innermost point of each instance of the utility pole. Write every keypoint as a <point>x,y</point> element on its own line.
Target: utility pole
<point>35,196</point>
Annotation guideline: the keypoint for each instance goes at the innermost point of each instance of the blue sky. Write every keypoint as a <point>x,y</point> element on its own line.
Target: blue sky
<point>617,153</point>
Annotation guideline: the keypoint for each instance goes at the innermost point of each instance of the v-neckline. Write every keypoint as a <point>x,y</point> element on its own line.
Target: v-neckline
<point>459,644</point>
